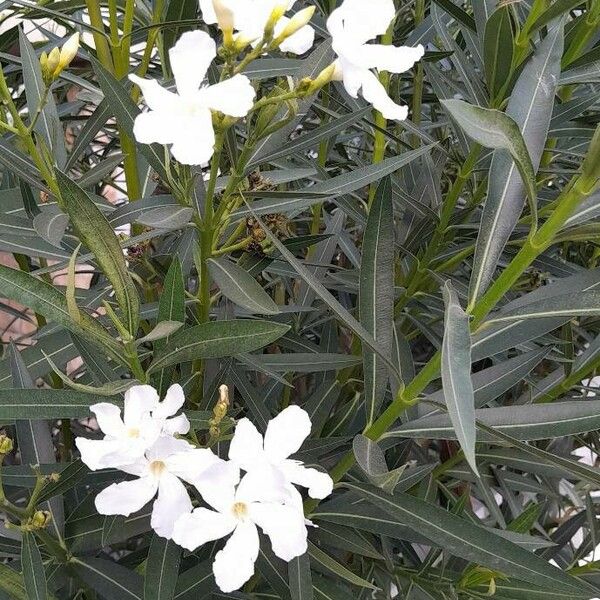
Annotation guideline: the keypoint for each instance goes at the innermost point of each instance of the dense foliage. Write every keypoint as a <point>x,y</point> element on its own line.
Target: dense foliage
<point>426,290</point>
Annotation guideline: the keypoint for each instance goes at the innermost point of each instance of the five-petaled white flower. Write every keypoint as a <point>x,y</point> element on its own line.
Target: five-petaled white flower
<point>284,436</point>
<point>351,26</point>
<point>259,500</point>
<point>160,471</point>
<point>250,18</point>
<point>184,119</point>
<point>127,438</point>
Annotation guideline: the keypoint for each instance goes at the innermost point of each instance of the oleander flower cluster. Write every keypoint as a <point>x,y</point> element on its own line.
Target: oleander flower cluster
<point>185,119</point>
<point>254,489</point>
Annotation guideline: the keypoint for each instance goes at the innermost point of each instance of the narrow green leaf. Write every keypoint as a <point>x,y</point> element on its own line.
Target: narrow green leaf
<point>34,576</point>
<point>530,108</point>
<point>376,294</point>
<point>45,404</point>
<point>171,307</point>
<point>162,569</point>
<point>51,224</point>
<point>580,304</point>
<point>498,49</point>
<point>300,579</point>
<point>526,422</point>
<point>95,232</point>
<point>240,287</point>
<point>109,579</point>
<point>456,374</point>
<point>217,339</point>
<point>494,129</point>
<point>467,540</point>
<point>334,567</point>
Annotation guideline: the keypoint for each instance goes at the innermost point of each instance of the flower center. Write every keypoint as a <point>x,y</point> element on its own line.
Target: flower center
<point>134,432</point>
<point>157,467</point>
<point>239,510</point>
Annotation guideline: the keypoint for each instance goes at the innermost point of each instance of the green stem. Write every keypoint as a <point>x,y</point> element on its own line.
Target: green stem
<point>100,41</point>
<point>380,120</point>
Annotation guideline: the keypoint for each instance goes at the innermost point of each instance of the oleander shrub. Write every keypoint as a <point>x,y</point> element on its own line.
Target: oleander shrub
<point>299,299</point>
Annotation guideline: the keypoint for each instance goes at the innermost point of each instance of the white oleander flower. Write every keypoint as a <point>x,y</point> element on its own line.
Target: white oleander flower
<point>351,26</point>
<point>251,17</point>
<point>144,420</point>
<point>160,471</point>
<point>284,436</point>
<point>184,119</point>
<point>258,501</point>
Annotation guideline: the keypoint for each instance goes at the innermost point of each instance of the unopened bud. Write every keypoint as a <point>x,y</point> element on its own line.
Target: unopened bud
<point>224,395</point>
<point>6,445</point>
<point>53,477</point>
<point>297,22</point>
<point>69,51</point>
<point>274,17</point>
<point>326,75</point>
<point>225,20</point>
<point>48,64</point>
<point>241,42</point>
<point>40,519</point>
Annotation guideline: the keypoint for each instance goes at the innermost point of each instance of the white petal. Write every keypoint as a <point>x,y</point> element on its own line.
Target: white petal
<point>166,446</point>
<point>319,484</point>
<point>374,92</point>
<point>361,21</point>
<point>156,96</point>
<point>190,58</point>
<point>395,59</point>
<point>190,465</point>
<point>195,143</point>
<point>201,526</point>
<point>172,502</point>
<point>156,127</point>
<point>351,76</point>
<point>262,484</point>
<point>217,485</point>
<point>233,97</point>
<point>127,497</point>
<point>246,448</point>
<point>299,43</point>
<point>173,401</point>
<point>179,425</point>
<point>234,565</point>
<point>285,527</point>
<point>286,432</point>
<point>109,454</point>
<point>208,12</point>
<point>109,419</point>
<point>139,401</point>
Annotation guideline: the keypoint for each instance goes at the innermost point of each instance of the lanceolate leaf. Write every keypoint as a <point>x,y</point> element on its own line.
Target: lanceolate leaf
<point>300,579</point>
<point>162,569</point>
<point>45,299</point>
<point>527,422</point>
<point>467,540</point>
<point>109,579</point>
<point>376,295</point>
<point>95,232</point>
<point>456,374</point>
<point>240,287</point>
<point>498,49</point>
<point>216,339</point>
<point>530,107</point>
<point>494,129</point>
<point>33,569</point>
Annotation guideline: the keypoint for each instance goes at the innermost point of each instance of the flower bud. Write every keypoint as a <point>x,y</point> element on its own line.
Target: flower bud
<point>323,78</point>
<point>40,519</point>
<point>49,63</point>
<point>225,20</point>
<point>68,52</point>
<point>274,17</point>
<point>297,22</point>
<point>241,42</point>
<point>6,445</point>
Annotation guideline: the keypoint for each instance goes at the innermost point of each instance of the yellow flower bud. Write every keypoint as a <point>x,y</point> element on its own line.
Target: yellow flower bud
<point>6,445</point>
<point>40,519</point>
<point>225,21</point>
<point>274,17</point>
<point>68,52</point>
<point>297,22</point>
<point>49,63</point>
